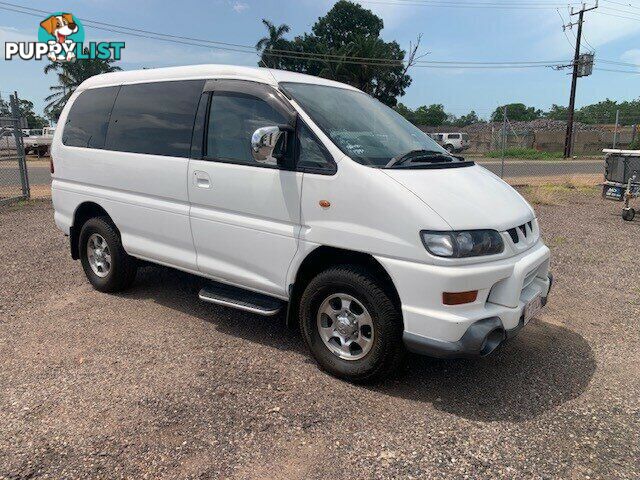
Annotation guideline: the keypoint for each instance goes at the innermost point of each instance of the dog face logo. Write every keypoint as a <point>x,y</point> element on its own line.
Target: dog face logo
<point>60,26</point>
<point>62,31</point>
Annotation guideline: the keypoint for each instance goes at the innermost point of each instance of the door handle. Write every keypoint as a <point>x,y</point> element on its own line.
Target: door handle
<point>201,179</point>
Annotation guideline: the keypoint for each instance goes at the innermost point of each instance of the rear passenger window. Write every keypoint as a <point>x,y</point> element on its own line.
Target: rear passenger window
<point>232,120</point>
<point>87,121</point>
<point>155,118</point>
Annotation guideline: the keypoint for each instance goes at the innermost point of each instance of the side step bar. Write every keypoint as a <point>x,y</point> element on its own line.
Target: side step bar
<point>240,299</point>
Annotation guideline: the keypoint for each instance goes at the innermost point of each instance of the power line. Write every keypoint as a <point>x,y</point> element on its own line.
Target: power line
<point>246,49</point>
<point>617,71</point>
<point>564,30</point>
<point>627,4</point>
<point>286,53</point>
<point>619,10</point>
<point>618,16</point>
<point>490,5</point>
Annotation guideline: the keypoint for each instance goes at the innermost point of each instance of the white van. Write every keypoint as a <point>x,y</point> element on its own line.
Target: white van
<point>286,190</point>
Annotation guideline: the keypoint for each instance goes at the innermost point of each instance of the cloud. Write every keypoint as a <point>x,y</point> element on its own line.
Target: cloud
<point>598,30</point>
<point>165,54</point>
<point>11,34</point>
<point>239,7</point>
<point>631,56</point>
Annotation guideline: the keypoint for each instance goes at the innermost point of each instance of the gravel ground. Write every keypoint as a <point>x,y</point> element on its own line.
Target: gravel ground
<point>155,384</point>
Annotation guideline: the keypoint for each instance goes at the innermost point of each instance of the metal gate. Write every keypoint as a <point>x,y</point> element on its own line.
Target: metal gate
<point>14,180</point>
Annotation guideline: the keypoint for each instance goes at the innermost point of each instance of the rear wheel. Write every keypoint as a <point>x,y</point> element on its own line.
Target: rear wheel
<point>107,266</point>
<point>351,325</point>
<point>449,148</point>
<point>628,214</point>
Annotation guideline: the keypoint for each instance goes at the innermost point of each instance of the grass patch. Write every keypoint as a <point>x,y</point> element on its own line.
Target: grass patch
<point>554,193</point>
<point>556,241</point>
<point>524,153</point>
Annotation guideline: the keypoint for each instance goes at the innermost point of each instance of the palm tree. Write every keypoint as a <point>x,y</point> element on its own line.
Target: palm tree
<point>272,41</point>
<point>70,76</point>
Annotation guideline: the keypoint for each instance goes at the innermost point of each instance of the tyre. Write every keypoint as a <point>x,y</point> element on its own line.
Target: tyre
<point>351,325</point>
<point>107,266</point>
<point>628,214</point>
<point>449,148</point>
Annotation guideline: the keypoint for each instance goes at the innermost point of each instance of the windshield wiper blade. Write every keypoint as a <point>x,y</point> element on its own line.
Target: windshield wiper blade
<point>413,154</point>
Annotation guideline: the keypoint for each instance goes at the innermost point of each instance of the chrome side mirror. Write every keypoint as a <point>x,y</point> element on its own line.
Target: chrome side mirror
<point>264,142</point>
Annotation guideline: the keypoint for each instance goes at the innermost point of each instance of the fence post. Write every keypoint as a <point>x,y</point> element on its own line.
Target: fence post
<point>17,135</point>
<point>615,130</point>
<point>504,139</point>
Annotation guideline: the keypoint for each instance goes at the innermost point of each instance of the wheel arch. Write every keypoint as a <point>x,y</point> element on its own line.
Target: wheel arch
<point>324,257</point>
<point>83,212</point>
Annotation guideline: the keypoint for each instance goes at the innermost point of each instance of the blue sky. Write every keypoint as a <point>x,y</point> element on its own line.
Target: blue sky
<point>449,34</point>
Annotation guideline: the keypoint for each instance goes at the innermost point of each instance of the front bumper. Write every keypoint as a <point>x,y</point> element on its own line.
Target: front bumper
<point>480,339</point>
<point>504,288</point>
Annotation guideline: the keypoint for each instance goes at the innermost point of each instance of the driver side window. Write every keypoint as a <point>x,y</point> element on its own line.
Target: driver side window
<point>233,118</point>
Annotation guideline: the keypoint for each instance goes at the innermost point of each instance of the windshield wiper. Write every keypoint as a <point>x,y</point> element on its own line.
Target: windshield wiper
<point>413,154</point>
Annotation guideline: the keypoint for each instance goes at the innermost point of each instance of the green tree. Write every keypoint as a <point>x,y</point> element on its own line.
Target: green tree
<point>25,107</point>
<point>465,120</point>
<point>516,112</point>
<point>557,112</point>
<point>70,76</point>
<point>345,22</point>
<point>601,112</point>
<point>345,32</point>
<point>405,111</point>
<point>273,41</point>
<point>433,115</point>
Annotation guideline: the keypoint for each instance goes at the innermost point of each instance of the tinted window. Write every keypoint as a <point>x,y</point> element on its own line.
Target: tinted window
<point>155,118</point>
<point>311,155</point>
<point>87,122</point>
<point>232,120</point>
<point>454,136</point>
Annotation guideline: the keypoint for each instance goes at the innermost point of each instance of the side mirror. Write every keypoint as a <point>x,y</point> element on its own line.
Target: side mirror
<point>269,144</point>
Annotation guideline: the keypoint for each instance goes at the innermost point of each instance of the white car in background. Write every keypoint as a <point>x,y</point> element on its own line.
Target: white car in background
<point>452,142</point>
<point>39,144</point>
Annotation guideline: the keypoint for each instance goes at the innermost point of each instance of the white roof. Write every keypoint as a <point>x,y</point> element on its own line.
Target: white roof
<point>192,72</point>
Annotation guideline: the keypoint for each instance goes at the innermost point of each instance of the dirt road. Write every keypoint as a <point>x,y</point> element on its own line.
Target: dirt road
<point>155,384</point>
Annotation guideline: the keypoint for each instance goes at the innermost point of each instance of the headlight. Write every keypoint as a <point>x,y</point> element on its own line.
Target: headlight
<point>470,243</point>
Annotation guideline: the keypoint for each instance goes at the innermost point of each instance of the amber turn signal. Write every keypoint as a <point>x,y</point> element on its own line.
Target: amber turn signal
<point>325,203</point>
<point>459,298</point>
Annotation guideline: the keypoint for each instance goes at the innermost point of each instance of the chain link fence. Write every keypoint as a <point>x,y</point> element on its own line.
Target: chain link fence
<point>14,179</point>
<point>531,152</point>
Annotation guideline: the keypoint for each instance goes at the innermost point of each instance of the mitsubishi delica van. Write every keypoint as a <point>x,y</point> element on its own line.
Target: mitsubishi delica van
<point>287,192</point>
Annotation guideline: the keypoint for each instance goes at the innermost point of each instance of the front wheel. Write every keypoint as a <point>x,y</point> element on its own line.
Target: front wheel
<point>351,324</point>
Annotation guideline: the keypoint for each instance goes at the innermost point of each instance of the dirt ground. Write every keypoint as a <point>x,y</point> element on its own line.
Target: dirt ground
<point>155,384</point>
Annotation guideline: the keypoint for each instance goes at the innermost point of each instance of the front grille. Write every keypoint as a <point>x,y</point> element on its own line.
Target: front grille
<point>513,232</point>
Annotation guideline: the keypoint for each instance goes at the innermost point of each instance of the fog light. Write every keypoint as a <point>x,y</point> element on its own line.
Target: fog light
<point>459,298</point>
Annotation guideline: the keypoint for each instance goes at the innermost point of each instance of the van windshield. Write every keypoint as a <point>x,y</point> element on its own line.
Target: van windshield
<point>368,131</point>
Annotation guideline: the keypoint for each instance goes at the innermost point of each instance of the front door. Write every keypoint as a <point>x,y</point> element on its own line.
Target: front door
<point>245,216</point>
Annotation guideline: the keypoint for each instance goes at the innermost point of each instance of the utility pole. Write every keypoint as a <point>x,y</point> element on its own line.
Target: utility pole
<point>504,139</point>
<point>568,142</point>
<point>615,132</point>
